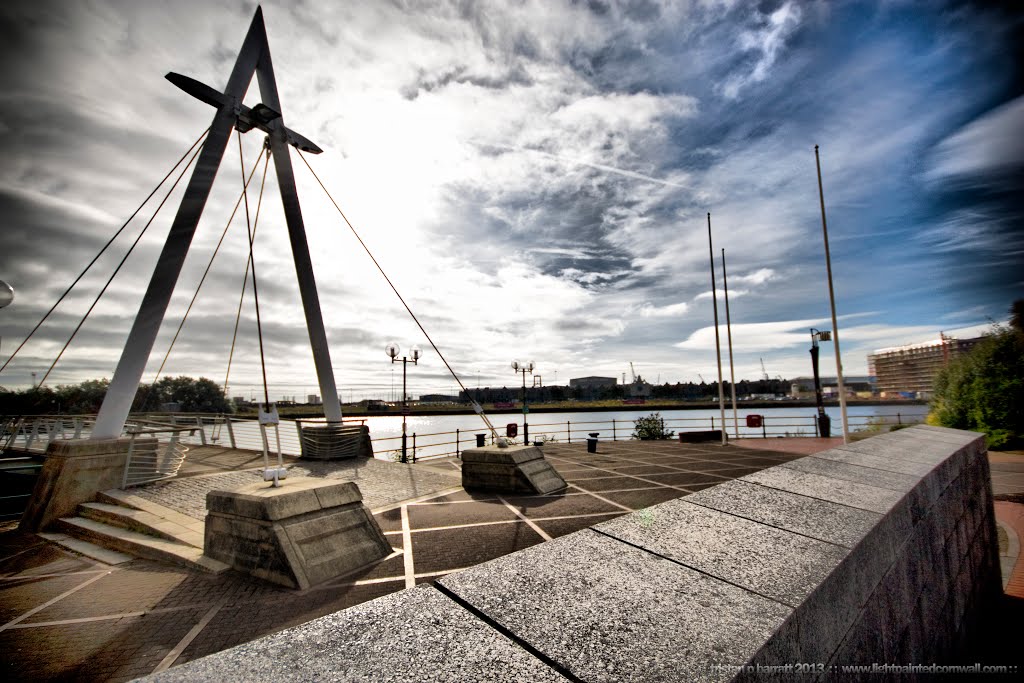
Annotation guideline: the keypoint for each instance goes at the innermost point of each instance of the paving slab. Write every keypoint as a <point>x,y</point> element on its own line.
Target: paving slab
<point>414,635</point>
<point>607,611</point>
<point>857,456</point>
<point>855,472</point>
<point>827,488</point>
<point>769,561</point>
<point>813,517</point>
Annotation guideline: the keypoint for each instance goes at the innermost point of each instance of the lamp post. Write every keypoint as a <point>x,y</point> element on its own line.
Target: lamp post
<point>6,295</point>
<point>392,349</point>
<point>524,368</point>
<point>824,422</point>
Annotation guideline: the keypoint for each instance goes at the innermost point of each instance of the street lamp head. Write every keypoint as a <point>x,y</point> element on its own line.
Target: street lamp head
<point>529,366</point>
<point>415,352</point>
<point>515,365</point>
<point>6,294</point>
<point>392,350</point>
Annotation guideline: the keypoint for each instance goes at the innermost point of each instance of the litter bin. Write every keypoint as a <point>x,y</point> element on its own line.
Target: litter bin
<point>481,440</point>
<point>824,425</point>
<point>592,442</point>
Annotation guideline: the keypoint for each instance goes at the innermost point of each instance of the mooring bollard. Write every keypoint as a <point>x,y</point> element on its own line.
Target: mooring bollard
<point>592,442</point>
<point>481,440</point>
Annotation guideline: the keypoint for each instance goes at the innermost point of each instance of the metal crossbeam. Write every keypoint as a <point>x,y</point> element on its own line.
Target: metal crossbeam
<point>253,58</point>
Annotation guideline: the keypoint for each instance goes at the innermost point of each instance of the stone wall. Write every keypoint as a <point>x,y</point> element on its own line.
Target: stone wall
<point>880,552</point>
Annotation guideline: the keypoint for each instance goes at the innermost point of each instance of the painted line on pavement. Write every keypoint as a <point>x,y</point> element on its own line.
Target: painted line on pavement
<point>60,597</point>
<point>173,655</point>
<point>410,567</point>
<point>543,534</point>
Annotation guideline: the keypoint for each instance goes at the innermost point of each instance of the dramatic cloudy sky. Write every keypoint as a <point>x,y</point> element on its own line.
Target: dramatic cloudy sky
<point>533,175</point>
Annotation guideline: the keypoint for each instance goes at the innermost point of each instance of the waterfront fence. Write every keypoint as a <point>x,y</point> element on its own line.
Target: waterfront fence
<point>32,433</point>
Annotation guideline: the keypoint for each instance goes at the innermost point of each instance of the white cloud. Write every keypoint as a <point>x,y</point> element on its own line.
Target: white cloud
<point>733,294</point>
<point>769,41</point>
<point>990,143</point>
<point>647,310</point>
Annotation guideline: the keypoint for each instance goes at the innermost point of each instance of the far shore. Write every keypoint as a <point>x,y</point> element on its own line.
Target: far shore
<point>359,410</point>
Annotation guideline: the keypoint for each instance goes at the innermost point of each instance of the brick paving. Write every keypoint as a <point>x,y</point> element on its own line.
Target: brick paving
<point>68,618</point>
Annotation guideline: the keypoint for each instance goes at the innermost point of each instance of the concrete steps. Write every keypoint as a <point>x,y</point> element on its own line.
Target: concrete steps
<point>128,524</point>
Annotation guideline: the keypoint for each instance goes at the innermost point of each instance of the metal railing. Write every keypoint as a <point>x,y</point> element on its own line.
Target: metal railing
<point>150,459</point>
<point>433,445</point>
<point>33,433</point>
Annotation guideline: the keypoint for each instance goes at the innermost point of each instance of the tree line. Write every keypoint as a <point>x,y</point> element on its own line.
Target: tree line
<point>983,390</point>
<point>189,394</point>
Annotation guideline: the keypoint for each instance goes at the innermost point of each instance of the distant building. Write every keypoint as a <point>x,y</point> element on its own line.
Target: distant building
<point>588,388</point>
<point>909,370</point>
<point>639,388</point>
<point>438,398</point>
<point>855,385</point>
<point>313,399</point>
<point>592,382</point>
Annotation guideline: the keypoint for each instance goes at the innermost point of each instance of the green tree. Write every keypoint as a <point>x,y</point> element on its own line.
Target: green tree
<point>650,428</point>
<point>984,389</point>
<point>192,395</point>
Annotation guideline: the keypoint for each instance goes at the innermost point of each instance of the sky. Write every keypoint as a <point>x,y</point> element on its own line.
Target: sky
<point>533,176</point>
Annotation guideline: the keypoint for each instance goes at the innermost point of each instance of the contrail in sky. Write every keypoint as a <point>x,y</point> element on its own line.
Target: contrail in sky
<point>602,167</point>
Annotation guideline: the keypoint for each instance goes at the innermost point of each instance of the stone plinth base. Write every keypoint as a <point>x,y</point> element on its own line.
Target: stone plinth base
<point>74,472</point>
<point>516,469</point>
<point>301,534</point>
<point>335,441</point>
<point>701,436</point>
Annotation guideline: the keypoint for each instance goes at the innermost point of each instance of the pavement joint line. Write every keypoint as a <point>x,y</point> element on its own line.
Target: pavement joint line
<point>490,621</point>
<point>543,534</point>
<point>55,600</point>
<point>410,565</point>
<point>603,499</point>
<point>415,501</point>
<point>23,577</point>
<point>173,655</point>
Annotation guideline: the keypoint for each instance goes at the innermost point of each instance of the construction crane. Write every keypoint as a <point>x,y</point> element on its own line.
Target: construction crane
<point>632,372</point>
<point>701,378</point>
<point>764,373</point>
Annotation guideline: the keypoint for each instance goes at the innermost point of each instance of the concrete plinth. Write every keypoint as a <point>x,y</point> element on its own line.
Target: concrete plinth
<point>74,472</point>
<point>516,469</point>
<point>299,535</point>
<point>335,441</point>
<point>707,435</point>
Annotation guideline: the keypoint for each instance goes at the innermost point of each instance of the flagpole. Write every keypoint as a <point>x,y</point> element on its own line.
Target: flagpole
<point>832,301</point>
<point>718,343</point>
<point>732,368</point>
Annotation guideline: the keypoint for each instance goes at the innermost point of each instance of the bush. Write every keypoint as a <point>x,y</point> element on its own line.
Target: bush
<point>984,390</point>
<point>650,428</point>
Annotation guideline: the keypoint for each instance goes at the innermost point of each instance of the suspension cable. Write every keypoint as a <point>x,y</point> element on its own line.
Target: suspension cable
<point>255,289</point>
<point>119,265</point>
<point>476,406</point>
<point>223,234</point>
<point>248,262</point>
<point>105,246</point>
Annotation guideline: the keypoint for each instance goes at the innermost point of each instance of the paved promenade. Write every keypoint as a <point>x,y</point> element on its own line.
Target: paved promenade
<point>68,618</point>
